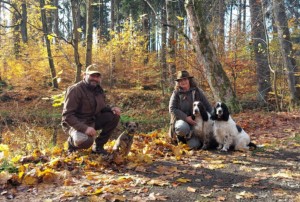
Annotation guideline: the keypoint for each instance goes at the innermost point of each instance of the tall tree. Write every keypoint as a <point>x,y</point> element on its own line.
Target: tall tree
<point>163,61</point>
<point>171,41</point>
<point>260,50</point>
<point>16,33</point>
<point>75,38</point>
<point>113,58</point>
<point>206,55</point>
<point>56,19</point>
<point>89,33</point>
<point>24,22</point>
<point>146,31</point>
<point>45,31</point>
<point>286,48</point>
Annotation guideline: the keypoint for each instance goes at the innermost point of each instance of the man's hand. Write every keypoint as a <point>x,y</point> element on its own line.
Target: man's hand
<point>116,110</point>
<point>190,120</point>
<point>90,131</point>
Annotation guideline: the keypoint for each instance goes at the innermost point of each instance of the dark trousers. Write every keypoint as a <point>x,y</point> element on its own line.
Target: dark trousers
<point>106,121</point>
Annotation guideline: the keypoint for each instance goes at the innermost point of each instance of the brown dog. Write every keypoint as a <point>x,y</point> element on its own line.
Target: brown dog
<point>123,143</point>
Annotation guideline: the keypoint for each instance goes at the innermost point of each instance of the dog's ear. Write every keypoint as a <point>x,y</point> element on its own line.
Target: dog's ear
<point>225,112</point>
<point>137,124</point>
<point>213,114</point>
<point>125,125</point>
<point>203,113</point>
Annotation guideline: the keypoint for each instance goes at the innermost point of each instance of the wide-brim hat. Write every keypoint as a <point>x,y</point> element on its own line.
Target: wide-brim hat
<point>92,69</point>
<point>182,75</point>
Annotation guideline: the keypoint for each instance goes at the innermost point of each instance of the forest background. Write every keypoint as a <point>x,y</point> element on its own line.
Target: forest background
<point>242,52</point>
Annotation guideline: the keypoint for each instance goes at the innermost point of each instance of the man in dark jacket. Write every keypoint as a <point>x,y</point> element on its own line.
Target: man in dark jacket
<point>85,111</point>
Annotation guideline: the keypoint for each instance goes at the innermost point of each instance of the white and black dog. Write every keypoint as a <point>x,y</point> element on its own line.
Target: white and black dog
<point>204,125</point>
<point>227,132</point>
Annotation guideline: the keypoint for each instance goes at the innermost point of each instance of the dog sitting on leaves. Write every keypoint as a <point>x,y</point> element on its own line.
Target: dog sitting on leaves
<point>123,144</point>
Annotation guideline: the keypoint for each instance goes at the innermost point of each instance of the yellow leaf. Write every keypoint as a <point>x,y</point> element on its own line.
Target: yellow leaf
<point>241,162</point>
<point>79,30</point>
<point>286,174</point>
<point>4,149</point>
<point>179,18</point>
<point>98,191</point>
<point>16,158</point>
<point>49,7</point>
<point>30,180</point>
<point>183,180</point>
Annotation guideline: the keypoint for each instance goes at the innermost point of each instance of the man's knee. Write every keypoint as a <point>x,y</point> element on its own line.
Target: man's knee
<point>80,140</point>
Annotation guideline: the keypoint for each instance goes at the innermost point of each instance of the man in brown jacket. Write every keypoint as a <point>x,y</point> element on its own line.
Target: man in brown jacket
<point>85,111</point>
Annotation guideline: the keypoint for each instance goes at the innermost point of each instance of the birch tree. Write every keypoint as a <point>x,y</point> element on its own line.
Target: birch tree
<point>260,50</point>
<point>286,48</point>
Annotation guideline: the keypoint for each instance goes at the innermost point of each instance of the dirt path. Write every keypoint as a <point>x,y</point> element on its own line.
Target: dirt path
<point>162,172</point>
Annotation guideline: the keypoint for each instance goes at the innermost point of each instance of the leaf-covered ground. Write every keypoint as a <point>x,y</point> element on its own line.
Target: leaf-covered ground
<point>156,170</point>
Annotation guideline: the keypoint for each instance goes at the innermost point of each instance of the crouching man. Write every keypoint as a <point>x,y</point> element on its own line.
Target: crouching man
<point>85,111</point>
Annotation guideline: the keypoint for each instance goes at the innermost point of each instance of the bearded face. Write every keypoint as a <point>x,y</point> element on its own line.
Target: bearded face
<point>93,79</point>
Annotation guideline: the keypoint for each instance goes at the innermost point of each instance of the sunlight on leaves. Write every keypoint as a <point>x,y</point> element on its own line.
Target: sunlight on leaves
<point>191,189</point>
<point>283,174</point>
<point>244,195</point>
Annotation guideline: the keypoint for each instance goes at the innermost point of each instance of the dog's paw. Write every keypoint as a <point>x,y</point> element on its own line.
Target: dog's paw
<point>204,147</point>
<point>224,149</point>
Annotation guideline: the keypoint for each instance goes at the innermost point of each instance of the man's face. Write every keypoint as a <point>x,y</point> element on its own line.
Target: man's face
<point>93,79</point>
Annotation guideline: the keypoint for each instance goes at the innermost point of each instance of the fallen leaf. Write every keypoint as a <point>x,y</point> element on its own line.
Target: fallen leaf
<point>183,180</point>
<point>244,195</point>
<point>191,189</point>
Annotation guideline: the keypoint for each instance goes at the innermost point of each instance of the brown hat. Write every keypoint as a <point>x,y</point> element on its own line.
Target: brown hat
<point>182,75</point>
<point>92,69</point>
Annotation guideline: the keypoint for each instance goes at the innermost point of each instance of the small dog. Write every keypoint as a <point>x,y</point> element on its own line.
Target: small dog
<point>204,127</point>
<point>227,132</point>
<point>123,144</point>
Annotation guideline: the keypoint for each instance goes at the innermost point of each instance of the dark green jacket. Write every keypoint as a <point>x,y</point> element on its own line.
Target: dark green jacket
<point>181,105</point>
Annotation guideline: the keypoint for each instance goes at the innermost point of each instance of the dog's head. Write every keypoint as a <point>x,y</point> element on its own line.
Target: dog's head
<point>220,112</point>
<point>131,126</point>
<point>199,110</point>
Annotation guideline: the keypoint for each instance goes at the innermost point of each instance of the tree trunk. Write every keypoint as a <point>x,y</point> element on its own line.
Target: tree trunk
<point>24,22</point>
<point>16,34</point>
<point>244,17</point>
<point>163,60</point>
<point>206,55</point>
<point>146,32</point>
<point>50,58</point>
<point>171,42</point>
<point>221,25</point>
<point>56,20</point>
<point>286,48</point>
<point>89,33</point>
<point>75,39</point>
<point>260,50</point>
<point>112,56</point>
<point>230,25</point>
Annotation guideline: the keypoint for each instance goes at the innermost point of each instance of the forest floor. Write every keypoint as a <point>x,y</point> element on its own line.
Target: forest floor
<point>155,170</point>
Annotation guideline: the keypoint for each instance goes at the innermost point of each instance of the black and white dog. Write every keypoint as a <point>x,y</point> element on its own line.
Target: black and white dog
<point>227,132</point>
<point>204,125</point>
